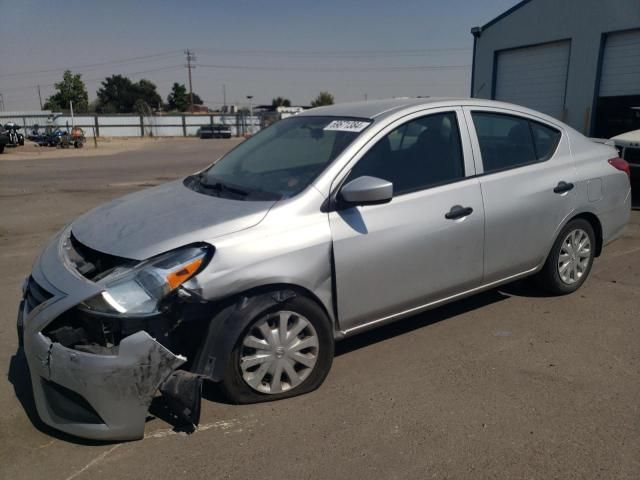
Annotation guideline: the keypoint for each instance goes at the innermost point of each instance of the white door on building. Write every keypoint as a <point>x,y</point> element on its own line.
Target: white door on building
<point>535,77</point>
<point>621,65</point>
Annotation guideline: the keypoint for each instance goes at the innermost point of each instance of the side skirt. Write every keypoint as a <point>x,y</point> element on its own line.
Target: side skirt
<point>427,306</point>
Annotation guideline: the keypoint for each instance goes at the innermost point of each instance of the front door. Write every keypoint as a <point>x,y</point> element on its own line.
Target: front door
<point>427,243</point>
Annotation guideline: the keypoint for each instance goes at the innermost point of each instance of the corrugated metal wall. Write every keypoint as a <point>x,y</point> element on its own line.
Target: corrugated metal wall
<point>585,23</point>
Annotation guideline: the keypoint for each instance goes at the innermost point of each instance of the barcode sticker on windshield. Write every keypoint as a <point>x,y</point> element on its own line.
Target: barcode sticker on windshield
<point>347,125</point>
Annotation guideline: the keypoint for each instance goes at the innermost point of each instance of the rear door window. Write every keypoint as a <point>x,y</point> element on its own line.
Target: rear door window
<point>508,141</point>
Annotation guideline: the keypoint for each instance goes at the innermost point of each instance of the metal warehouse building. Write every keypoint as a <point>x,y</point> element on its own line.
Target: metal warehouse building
<point>577,60</point>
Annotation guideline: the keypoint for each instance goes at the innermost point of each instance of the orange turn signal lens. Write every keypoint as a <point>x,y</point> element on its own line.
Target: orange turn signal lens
<point>177,278</point>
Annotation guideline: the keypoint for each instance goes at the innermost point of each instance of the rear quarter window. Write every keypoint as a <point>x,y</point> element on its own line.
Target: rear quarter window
<point>545,140</point>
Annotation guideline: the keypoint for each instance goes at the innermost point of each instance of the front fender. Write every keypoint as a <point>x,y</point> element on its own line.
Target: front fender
<point>231,319</point>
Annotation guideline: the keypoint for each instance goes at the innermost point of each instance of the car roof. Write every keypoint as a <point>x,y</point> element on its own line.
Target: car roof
<point>379,109</point>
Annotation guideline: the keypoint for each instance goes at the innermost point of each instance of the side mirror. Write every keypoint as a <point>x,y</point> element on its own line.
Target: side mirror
<point>367,191</point>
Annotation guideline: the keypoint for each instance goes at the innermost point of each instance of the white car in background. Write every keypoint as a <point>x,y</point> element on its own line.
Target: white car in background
<point>628,146</point>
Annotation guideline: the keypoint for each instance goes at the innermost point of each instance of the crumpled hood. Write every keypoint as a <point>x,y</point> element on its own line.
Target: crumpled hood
<point>152,221</point>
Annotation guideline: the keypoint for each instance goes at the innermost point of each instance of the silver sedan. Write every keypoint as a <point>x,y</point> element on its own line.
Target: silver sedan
<point>326,224</point>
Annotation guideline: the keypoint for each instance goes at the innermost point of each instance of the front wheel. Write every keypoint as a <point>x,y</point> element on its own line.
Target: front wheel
<point>284,352</point>
<point>570,260</point>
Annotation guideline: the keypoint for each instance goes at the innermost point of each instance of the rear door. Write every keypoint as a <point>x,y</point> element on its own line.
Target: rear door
<point>395,257</point>
<point>527,177</point>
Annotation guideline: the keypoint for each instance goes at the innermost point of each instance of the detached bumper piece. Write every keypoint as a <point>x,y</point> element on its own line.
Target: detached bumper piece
<point>102,397</point>
<point>67,404</point>
<point>183,393</point>
<point>94,375</point>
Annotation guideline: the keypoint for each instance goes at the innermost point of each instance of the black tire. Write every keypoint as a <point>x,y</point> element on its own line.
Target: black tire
<point>549,278</point>
<point>1,147</point>
<point>238,391</point>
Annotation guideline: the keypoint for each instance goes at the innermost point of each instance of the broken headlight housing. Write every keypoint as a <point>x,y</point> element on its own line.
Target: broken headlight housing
<point>139,290</point>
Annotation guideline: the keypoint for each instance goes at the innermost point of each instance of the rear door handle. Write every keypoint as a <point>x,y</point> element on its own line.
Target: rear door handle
<point>563,187</point>
<point>458,211</point>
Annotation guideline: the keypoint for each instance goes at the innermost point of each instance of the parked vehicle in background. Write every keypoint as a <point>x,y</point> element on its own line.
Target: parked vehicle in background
<point>50,137</point>
<point>214,131</point>
<point>4,139</point>
<point>628,145</point>
<point>15,138</point>
<point>326,224</point>
<point>74,138</point>
<point>36,136</point>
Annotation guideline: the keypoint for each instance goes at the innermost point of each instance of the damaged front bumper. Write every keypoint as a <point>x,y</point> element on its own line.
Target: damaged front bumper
<point>101,395</point>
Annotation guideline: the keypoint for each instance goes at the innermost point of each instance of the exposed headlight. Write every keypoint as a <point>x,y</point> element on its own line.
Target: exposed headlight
<point>139,290</point>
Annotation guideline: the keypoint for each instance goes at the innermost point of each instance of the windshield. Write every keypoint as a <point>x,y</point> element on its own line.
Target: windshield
<point>281,160</point>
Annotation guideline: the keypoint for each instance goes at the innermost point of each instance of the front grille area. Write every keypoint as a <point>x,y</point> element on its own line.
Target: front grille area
<point>96,333</point>
<point>35,294</point>
<point>632,155</point>
<point>91,263</point>
<point>178,328</point>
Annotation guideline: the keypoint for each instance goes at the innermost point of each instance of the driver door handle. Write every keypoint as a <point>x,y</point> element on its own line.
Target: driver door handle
<point>458,211</point>
<point>563,187</point>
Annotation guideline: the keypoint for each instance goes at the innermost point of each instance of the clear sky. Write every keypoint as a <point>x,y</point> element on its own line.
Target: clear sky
<point>294,49</point>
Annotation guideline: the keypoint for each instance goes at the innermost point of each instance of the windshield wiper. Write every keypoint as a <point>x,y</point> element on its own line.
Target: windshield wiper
<point>214,186</point>
<point>221,187</point>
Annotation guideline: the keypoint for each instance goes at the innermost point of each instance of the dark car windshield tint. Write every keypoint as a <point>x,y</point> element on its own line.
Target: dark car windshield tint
<point>280,161</point>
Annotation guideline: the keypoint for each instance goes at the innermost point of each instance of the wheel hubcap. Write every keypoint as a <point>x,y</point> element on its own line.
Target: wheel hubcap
<point>279,352</point>
<point>575,255</point>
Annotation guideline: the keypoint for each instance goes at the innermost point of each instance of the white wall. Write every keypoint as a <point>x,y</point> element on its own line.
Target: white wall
<point>130,125</point>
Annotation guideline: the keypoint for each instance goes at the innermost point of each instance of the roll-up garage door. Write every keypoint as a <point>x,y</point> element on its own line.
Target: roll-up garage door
<point>619,90</point>
<point>621,65</point>
<point>535,77</point>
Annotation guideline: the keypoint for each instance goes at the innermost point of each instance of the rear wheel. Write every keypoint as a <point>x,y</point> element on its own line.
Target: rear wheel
<point>570,260</point>
<point>284,352</point>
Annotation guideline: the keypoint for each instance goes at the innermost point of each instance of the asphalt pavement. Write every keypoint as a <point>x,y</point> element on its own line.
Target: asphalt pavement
<point>507,384</point>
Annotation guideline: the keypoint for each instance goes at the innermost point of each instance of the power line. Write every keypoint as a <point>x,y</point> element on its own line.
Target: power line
<point>139,59</point>
<point>339,69</point>
<point>334,53</point>
<point>87,80</point>
<point>245,52</point>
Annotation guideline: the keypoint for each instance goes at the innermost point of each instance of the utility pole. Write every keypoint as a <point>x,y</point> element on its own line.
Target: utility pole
<point>224,97</point>
<point>1,103</point>
<point>190,58</point>
<point>40,97</point>
<point>250,98</point>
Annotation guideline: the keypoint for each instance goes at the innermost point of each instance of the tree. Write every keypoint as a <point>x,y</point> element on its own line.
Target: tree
<point>147,92</point>
<point>119,94</point>
<point>70,89</point>
<point>323,98</point>
<point>280,102</point>
<point>178,99</point>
